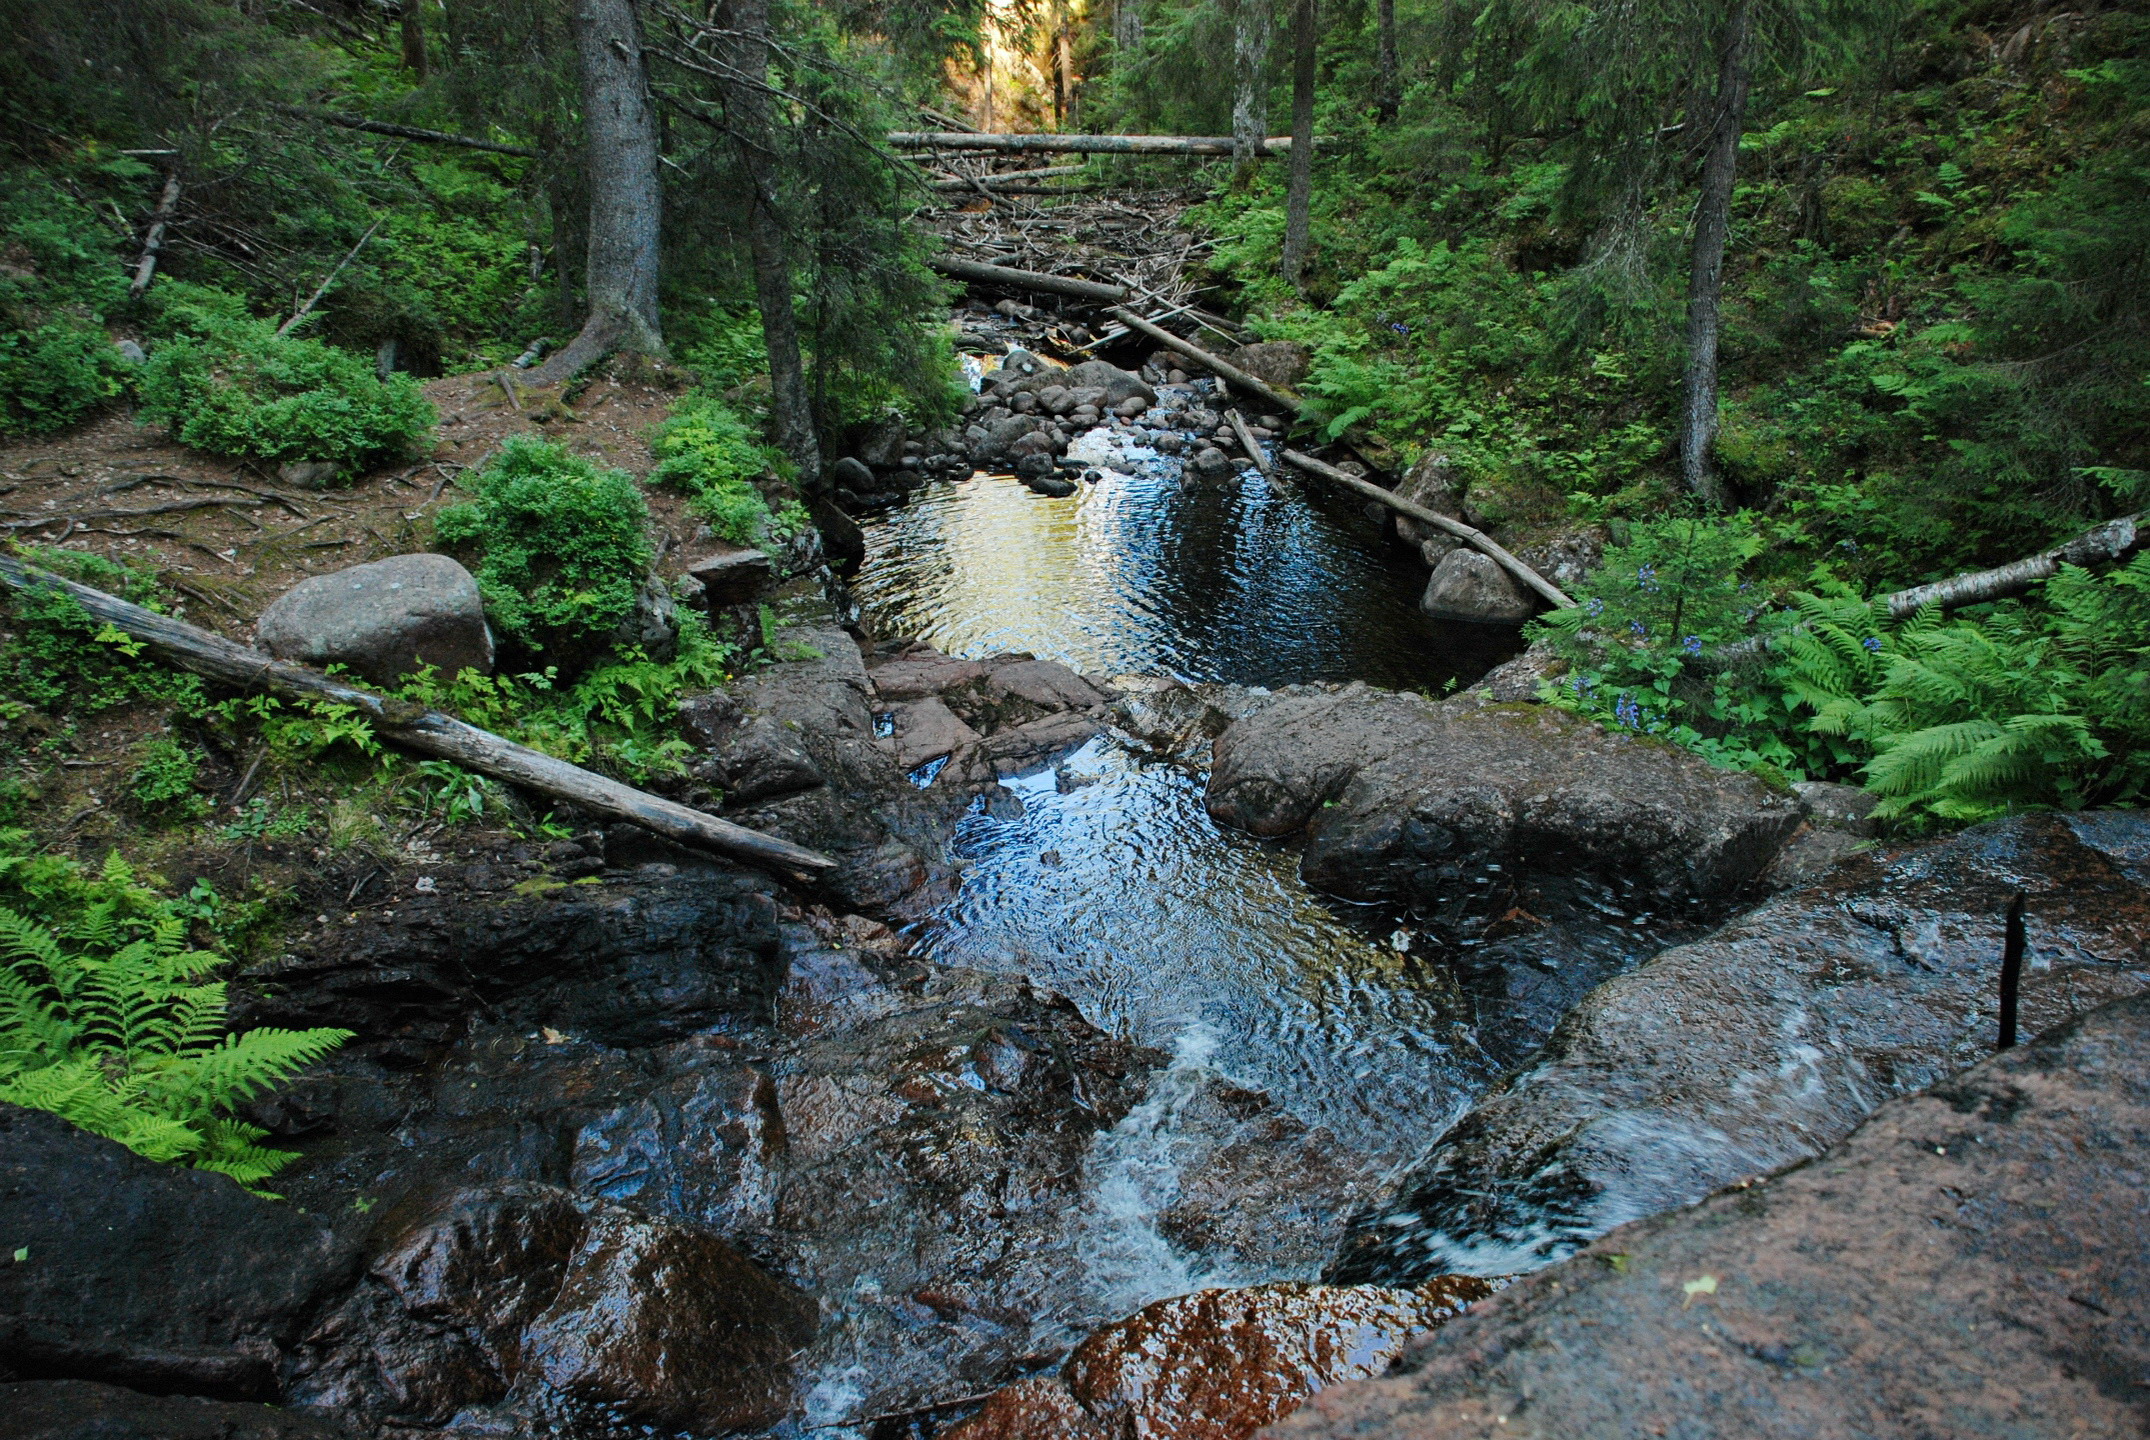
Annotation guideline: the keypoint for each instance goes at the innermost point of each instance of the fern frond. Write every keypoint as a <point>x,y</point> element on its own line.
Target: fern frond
<point>1911,764</point>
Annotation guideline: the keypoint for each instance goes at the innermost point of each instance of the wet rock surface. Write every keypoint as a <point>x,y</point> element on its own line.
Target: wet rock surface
<point>1968,1263</point>
<point>1404,799</point>
<point>1770,1040</point>
<point>120,1280</point>
<point>989,718</point>
<point>84,1410</point>
<point>1219,1364</point>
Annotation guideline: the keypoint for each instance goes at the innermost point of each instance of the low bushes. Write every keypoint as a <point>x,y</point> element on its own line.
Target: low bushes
<point>560,547</point>
<point>229,384</point>
<point>710,452</point>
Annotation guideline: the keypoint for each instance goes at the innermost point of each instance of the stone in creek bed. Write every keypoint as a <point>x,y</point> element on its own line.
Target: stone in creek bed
<point>1212,465</point>
<point>734,575</point>
<point>1471,586</point>
<point>383,619</point>
<point>1968,1263</point>
<point>1218,1364</point>
<point>83,1410</point>
<point>1770,1039</point>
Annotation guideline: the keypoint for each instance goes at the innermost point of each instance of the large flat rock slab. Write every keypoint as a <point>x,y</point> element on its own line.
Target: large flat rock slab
<point>1770,1040</point>
<point>1405,799</point>
<point>1971,1263</point>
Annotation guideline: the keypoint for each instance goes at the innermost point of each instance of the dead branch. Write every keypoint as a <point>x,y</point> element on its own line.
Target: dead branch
<point>427,731</point>
<point>1226,368</point>
<point>406,132</point>
<point>960,269</point>
<point>315,299</point>
<point>1478,539</point>
<point>145,269</point>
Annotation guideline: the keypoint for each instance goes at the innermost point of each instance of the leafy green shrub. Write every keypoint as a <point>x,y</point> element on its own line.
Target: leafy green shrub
<point>561,541</point>
<point>55,375</point>
<point>229,384</point>
<point>1636,646</point>
<point>57,658</point>
<point>707,450</point>
<point>109,1020</point>
<point>2035,706</point>
<point>167,781</point>
<point>56,362</point>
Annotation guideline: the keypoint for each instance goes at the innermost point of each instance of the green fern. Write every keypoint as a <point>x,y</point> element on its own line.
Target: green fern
<point>110,1021</point>
<point>2036,706</point>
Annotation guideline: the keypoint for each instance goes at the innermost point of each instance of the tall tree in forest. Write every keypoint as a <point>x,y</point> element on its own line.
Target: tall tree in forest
<point>747,109</point>
<point>1721,121</point>
<point>1642,86</point>
<point>1250,84</point>
<point>413,25</point>
<point>1388,82</point>
<point>1126,28</point>
<point>626,207</point>
<point>1299,189</point>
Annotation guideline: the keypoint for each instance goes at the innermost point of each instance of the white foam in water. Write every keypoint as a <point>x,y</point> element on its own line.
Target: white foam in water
<point>1134,1171</point>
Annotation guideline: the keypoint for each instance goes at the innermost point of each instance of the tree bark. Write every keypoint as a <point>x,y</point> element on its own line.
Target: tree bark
<point>413,22</point>
<point>1705,275</point>
<point>957,268</point>
<point>427,731</point>
<point>626,204</point>
<point>1299,187</point>
<point>1126,29</point>
<point>1250,83</point>
<point>1388,82</point>
<point>791,409</point>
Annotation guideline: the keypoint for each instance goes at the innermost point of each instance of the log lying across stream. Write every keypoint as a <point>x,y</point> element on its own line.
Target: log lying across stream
<point>428,731</point>
<point>1275,146</point>
<point>1471,536</point>
<point>957,268</point>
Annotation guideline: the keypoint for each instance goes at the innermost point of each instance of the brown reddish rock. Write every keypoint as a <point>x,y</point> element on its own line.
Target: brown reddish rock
<point>1219,1364</point>
<point>1968,1264</point>
<point>664,1324</point>
<point>916,675</point>
<point>926,730</point>
<point>1282,363</point>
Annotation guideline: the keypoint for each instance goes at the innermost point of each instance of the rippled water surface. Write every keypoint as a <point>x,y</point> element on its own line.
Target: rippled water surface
<point>1133,574</point>
<point>1113,886</point>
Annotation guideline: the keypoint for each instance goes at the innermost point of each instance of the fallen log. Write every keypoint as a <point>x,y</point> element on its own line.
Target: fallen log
<point>1475,538</point>
<point>1214,363</point>
<point>1005,178</point>
<point>405,132</point>
<point>957,268</point>
<point>427,731</point>
<point>1254,450</point>
<point>2109,543</point>
<point>145,269</point>
<point>1082,144</point>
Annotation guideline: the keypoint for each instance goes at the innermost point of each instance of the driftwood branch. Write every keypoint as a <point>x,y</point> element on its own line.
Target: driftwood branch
<point>1254,450</point>
<point>1226,368</point>
<point>315,299</point>
<point>145,269</point>
<point>406,132</point>
<point>957,268</point>
<point>1478,539</point>
<point>427,731</point>
<point>1079,144</point>
<point>2106,544</point>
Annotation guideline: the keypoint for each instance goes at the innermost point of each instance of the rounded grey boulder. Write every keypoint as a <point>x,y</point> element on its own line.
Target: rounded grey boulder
<point>383,620</point>
<point>1469,586</point>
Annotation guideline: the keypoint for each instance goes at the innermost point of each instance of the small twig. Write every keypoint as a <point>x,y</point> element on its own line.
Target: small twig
<point>246,781</point>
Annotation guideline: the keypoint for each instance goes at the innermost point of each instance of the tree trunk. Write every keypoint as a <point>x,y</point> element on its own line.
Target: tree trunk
<point>626,206</point>
<point>1250,88</point>
<point>1705,276</point>
<point>1126,29</point>
<point>415,59</point>
<point>791,409</point>
<point>1388,82</point>
<point>1063,68</point>
<point>1299,188</point>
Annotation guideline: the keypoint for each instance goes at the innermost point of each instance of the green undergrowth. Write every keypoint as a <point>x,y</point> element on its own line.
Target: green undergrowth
<point>110,1016</point>
<point>715,455</point>
<point>1949,719</point>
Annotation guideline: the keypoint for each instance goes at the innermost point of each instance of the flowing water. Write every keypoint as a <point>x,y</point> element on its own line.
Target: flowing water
<point>1112,886</point>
